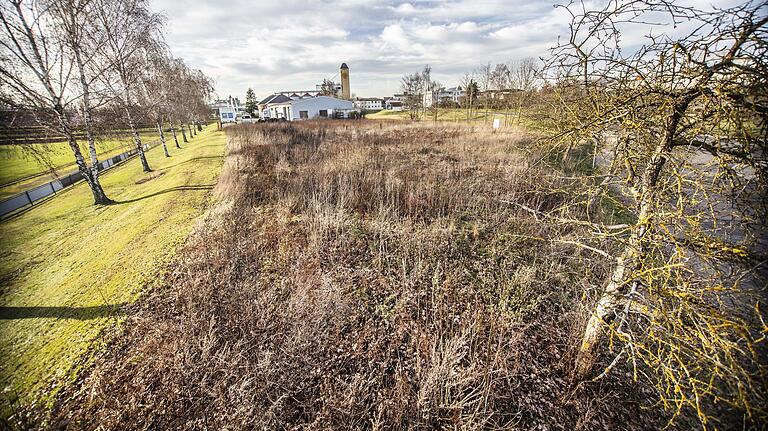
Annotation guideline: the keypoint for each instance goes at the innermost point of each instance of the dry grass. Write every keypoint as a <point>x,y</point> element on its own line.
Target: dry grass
<point>362,276</point>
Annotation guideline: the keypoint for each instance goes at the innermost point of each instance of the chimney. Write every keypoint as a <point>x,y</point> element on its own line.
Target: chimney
<point>344,72</point>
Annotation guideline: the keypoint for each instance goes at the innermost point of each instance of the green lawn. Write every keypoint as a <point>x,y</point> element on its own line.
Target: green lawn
<point>67,265</point>
<point>20,161</point>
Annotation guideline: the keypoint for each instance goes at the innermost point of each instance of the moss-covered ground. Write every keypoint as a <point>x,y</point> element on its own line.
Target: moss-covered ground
<point>68,267</point>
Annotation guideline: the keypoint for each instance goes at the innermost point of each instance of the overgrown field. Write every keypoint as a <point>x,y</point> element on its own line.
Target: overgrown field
<point>360,275</point>
<point>68,267</point>
<point>478,116</point>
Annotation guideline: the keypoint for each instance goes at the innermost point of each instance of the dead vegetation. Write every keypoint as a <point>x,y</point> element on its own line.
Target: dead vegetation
<point>364,276</point>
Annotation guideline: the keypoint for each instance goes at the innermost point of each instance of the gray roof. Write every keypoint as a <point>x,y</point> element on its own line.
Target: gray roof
<point>267,99</point>
<point>276,98</point>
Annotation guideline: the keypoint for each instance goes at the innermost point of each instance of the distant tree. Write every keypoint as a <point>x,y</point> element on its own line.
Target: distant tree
<point>157,91</point>
<point>501,81</point>
<point>412,87</point>
<point>523,80</point>
<point>501,77</point>
<point>328,88</point>
<point>250,101</point>
<point>484,75</point>
<point>471,93</point>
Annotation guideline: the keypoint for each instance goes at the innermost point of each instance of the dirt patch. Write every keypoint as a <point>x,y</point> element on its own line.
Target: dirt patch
<point>150,177</point>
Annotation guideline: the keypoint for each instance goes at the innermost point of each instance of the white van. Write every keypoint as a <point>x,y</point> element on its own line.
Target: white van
<point>227,115</point>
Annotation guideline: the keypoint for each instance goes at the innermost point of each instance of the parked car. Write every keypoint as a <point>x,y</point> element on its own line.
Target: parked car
<point>246,118</point>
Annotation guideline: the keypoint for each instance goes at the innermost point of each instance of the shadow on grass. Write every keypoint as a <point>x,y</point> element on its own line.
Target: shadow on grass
<point>189,188</point>
<point>79,313</point>
<point>191,144</point>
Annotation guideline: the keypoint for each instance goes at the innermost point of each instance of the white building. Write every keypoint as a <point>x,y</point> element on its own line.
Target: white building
<point>283,106</point>
<point>393,104</point>
<point>229,109</point>
<point>369,103</point>
<point>452,94</point>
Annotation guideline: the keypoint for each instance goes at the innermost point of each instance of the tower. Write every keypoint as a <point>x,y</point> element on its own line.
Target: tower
<point>344,72</point>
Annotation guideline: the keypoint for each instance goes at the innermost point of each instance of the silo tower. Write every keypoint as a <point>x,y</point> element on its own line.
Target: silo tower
<point>344,72</point>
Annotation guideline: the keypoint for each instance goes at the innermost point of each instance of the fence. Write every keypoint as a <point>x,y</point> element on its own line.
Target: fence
<point>29,197</point>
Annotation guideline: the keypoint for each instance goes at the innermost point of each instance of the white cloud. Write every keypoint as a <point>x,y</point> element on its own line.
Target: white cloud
<point>291,44</point>
<point>405,9</point>
<point>294,45</point>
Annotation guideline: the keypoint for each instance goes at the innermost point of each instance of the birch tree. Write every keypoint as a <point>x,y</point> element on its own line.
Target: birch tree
<point>72,23</point>
<point>129,30</point>
<point>38,72</point>
<point>157,91</point>
<point>200,93</point>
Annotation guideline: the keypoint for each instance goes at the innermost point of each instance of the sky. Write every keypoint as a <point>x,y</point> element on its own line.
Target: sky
<point>292,45</point>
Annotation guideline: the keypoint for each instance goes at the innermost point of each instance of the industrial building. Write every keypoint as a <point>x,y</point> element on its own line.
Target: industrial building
<point>309,104</point>
<point>309,108</point>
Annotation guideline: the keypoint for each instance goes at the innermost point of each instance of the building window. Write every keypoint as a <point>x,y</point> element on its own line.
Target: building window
<point>303,114</point>
<point>324,113</point>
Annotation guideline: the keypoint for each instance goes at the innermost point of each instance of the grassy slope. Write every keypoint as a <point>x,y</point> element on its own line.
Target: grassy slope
<point>71,263</point>
<point>17,161</point>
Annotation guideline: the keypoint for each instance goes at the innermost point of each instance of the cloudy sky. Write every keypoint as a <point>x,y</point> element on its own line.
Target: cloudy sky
<point>292,45</point>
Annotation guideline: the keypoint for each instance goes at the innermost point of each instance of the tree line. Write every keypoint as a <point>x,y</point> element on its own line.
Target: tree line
<point>67,62</point>
<point>509,87</point>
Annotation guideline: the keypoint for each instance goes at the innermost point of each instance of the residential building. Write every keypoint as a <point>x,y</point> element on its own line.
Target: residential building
<point>393,103</point>
<point>228,109</point>
<point>444,95</point>
<point>454,94</point>
<point>369,103</point>
<point>267,107</point>
<point>505,94</point>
